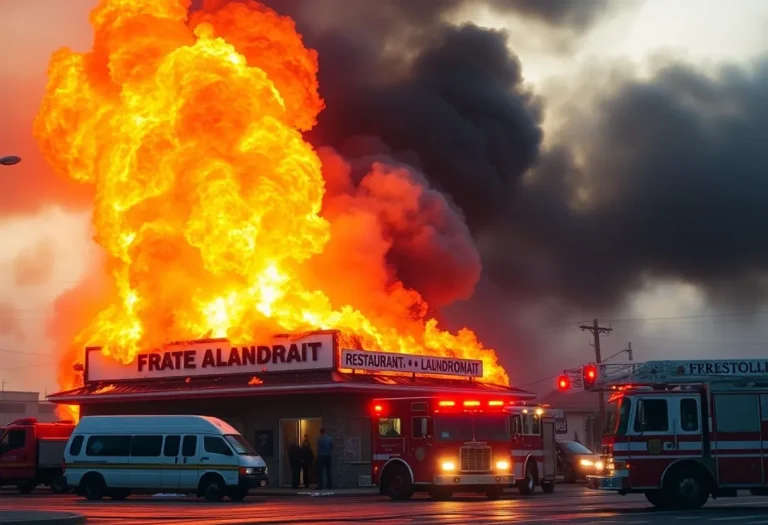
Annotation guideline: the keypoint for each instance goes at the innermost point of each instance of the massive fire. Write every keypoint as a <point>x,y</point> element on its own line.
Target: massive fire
<point>209,202</point>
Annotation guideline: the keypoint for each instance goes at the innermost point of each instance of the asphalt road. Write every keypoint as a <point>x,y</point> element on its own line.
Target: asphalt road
<point>567,505</point>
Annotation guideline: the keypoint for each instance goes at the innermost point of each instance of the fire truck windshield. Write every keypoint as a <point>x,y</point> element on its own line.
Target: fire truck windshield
<point>466,427</point>
<point>618,416</point>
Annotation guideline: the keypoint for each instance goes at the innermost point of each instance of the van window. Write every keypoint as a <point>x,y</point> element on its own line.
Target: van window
<point>76,446</point>
<point>146,446</point>
<point>216,445</point>
<point>171,446</point>
<point>119,446</point>
<point>189,447</point>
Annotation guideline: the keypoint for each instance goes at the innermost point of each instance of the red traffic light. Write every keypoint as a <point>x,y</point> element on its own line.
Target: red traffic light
<point>563,382</point>
<point>589,375</point>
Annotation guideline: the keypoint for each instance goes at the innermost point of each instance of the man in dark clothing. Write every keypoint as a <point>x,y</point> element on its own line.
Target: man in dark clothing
<point>307,460</point>
<point>294,458</point>
<point>324,450</point>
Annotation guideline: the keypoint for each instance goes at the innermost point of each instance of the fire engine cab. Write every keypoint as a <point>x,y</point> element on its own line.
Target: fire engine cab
<point>441,446</point>
<point>680,431</point>
<point>534,455</point>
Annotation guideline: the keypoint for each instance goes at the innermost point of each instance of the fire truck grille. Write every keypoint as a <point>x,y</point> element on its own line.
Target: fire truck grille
<point>475,459</point>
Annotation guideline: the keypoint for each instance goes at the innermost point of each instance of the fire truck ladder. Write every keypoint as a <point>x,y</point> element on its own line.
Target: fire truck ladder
<point>736,373</point>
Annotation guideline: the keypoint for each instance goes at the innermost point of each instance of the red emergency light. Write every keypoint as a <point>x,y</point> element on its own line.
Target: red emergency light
<point>378,408</point>
<point>471,403</point>
<point>447,403</point>
<point>563,382</point>
<point>495,403</point>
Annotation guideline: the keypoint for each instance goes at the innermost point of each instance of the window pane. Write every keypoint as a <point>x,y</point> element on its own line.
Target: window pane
<point>76,446</point>
<point>737,413</point>
<point>171,447</point>
<point>216,445</point>
<point>652,412</point>
<point>689,415</point>
<point>389,427</point>
<point>419,427</point>
<point>189,447</point>
<point>764,404</point>
<point>146,446</point>
<point>119,446</point>
<point>17,438</point>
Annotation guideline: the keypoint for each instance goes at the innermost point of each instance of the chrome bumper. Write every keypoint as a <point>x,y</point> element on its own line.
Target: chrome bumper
<point>607,482</point>
<point>474,479</point>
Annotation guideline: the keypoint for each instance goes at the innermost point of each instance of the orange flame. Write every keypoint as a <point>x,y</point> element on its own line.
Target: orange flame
<point>208,199</point>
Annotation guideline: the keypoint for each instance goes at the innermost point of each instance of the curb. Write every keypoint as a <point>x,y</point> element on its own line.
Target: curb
<point>29,518</point>
<point>315,494</point>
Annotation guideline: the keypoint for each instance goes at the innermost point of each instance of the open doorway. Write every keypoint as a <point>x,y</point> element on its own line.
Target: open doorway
<point>293,431</point>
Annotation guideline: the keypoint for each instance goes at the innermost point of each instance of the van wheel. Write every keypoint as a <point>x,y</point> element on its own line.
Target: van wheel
<point>59,485</point>
<point>527,485</point>
<point>119,494</point>
<point>398,483</point>
<point>238,493</point>
<point>548,487</point>
<point>26,488</point>
<point>93,487</point>
<point>212,488</point>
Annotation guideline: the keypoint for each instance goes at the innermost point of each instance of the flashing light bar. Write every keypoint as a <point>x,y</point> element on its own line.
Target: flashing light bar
<point>378,408</point>
<point>495,403</point>
<point>471,403</point>
<point>447,403</point>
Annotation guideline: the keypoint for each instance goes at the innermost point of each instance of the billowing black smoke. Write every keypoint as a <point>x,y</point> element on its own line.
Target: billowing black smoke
<point>671,179</point>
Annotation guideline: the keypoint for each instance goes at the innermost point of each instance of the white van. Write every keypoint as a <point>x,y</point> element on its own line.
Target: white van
<point>113,455</point>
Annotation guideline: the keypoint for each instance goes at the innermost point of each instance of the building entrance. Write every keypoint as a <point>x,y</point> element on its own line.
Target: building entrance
<point>293,431</point>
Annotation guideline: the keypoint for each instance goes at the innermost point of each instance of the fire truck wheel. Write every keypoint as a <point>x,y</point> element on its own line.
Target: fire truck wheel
<point>548,487</point>
<point>657,499</point>
<point>26,488</point>
<point>440,493</point>
<point>93,487</point>
<point>398,482</point>
<point>687,488</point>
<point>494,493</point>
<point>527,485</point>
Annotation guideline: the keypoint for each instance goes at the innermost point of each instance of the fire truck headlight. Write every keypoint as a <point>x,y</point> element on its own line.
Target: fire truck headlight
<point>448,465</point>
<point>502,464</point>
<point>599,466</point>
<point>586,463</point>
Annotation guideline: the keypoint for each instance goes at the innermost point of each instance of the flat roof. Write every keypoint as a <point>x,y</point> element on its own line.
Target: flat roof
<point>279,383</point>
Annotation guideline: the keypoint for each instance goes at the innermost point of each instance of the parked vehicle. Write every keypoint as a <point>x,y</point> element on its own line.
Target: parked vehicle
<point>575,461</point>
<point>114,455</point>
<point>31,454</point>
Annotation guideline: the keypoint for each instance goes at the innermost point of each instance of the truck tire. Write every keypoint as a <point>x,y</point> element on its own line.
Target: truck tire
<point>547,487</point>
<point>687,488</point>
<point>93,487</point>
<point>527,485</point>
<point>398,483</point>
<point>27,487</point>
<point>657,499</point>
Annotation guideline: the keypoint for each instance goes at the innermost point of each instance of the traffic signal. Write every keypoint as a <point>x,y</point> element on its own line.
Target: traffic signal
<point>563,382</point>
<point>589,375</point>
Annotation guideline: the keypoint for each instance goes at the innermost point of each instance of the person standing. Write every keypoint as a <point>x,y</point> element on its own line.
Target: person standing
<point>307,460</point>
<point>294,458</point>
<point>324,450</point>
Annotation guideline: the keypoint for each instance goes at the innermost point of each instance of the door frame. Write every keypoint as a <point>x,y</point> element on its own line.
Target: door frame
<point>281,452</point>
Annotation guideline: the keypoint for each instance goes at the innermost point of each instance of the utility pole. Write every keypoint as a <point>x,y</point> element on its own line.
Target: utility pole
<point>629,350</point>
<point>596,330</point>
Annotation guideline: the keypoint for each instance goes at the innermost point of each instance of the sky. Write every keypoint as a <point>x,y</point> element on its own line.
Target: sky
<point>45,222</point>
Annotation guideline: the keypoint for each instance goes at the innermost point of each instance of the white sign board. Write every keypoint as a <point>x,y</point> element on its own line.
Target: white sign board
<point>217,357</point>
<point>722,367</point>
<point>417,364</point>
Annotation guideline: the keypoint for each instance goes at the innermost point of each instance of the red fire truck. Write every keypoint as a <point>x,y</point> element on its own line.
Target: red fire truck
<point>680,431</point>
<point>534,456</point>
<point>441,445</point>
<point>32,453</point>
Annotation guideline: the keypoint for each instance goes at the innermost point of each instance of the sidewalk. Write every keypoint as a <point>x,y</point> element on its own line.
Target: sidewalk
<point>313,492</point>
<point>39,517</point>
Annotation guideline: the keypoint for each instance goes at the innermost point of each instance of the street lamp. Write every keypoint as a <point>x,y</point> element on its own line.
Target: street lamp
<point>10,160</point>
